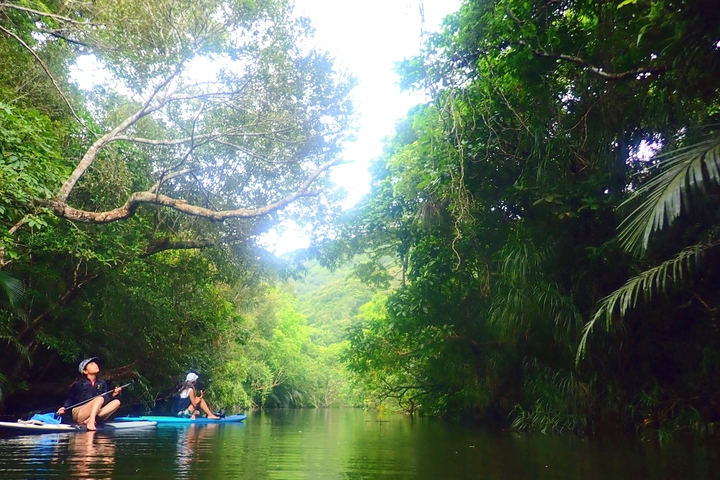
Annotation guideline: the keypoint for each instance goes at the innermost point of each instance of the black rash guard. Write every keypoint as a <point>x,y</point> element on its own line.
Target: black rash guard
<point>84,389</point>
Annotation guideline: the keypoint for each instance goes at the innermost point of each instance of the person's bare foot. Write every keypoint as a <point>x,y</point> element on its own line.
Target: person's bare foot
<point>91,425</point>
<point>213,417</point>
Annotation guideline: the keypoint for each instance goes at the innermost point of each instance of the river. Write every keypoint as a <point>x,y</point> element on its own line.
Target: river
<point>346,444</point>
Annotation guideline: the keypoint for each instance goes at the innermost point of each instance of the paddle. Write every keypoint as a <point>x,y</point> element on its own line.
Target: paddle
<point>220,413</point>
<point>101,395</point>
<point>205,386</point>
<point>53,418</point>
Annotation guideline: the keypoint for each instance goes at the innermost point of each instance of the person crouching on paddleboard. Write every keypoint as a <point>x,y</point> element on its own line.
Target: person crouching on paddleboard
<point>187,401</point>
<point>91,387</point>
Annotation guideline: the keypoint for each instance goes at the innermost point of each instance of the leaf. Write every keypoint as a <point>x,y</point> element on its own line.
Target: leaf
<point>667,195</point>
<point>645,285</point>
<point>626,2</point>
<point>13,288</point>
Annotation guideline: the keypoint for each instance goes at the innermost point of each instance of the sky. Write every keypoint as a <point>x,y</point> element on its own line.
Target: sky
<point>367,37</point>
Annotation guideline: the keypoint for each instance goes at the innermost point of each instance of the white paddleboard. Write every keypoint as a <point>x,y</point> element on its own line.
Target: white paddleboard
<point>40,427</point>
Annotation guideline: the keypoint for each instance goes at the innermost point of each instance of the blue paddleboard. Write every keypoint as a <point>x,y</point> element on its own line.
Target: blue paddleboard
<point>182,420</point>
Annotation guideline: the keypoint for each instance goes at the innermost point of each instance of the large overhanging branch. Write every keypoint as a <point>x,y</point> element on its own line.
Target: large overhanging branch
<point>203,136</point>
<point>634,73</point>
<point>91,154</point>
<point>158,99</point>
<point>62,209</point>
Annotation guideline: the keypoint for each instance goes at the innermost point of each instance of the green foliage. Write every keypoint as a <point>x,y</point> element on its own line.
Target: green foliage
<point>163,292</point>
<point>11,287</point>
<point>286,365</point>
<point>30,168</point>
<point>499,199</point>
<point>330,301</point>
<point>681,172</point>
<point>559,401</point>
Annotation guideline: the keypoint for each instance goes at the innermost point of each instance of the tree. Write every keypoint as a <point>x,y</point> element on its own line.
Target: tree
<point>501,195</point>
<point>251,138</point>
<point>130,211</point>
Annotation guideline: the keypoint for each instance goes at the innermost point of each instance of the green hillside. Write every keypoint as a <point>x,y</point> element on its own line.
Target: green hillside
<point>330,300</point>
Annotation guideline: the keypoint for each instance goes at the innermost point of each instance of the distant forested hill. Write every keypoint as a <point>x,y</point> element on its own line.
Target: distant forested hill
<point>330,300</point>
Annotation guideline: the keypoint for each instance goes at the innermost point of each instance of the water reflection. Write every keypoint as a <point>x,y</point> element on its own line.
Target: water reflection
<point>76,455</point>
<point>192,442</point>
<point>89,455</point>
<point>32,454</point>
<point>347,444</point>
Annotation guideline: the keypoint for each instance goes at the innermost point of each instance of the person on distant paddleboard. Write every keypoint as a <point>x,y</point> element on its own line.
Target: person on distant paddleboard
<point>98,409</point>
<point>187,401</point>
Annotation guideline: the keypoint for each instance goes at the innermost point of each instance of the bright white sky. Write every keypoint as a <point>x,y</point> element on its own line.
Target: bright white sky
<point>367,37</point>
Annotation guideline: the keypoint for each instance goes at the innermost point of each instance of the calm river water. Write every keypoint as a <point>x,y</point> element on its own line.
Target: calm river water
<point>345,444</point>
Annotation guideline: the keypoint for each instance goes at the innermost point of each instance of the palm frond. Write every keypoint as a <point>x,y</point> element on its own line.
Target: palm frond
<point>682,171</point>
<point>13,288</point>
<point>521,258</point>
<point>656,279</point>
<point>21,349</point>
